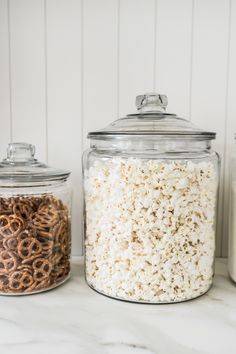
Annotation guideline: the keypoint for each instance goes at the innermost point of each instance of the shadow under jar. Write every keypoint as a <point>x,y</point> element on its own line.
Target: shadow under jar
<point>35,223</point>
<point>150,187</point>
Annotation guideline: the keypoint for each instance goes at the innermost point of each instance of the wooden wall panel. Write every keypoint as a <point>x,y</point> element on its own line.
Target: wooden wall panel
<point>5,85</point>
<point>64,114</point>
<point>100,64</point>
<point>174,53</point>
<point>136,52</point>
<point>27,52</point>
<point>209,79</point>
<point>71,66</point>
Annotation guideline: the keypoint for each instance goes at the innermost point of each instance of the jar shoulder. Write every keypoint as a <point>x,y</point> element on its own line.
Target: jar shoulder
<point>93,153</point>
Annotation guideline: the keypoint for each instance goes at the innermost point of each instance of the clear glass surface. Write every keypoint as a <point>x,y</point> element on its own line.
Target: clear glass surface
<point>35,224</point>
<point>232,220</point>
<point>151,119</point>
<point>150,214</point>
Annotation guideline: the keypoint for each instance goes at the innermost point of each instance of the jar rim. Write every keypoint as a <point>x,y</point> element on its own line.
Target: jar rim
<point>203,135</point>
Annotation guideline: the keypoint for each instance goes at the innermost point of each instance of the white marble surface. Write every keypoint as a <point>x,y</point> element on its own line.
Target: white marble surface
<point>73,319</point>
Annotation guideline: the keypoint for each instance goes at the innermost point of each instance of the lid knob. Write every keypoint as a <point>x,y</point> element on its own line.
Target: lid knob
<point>151,102</point>
<point>20,152</point>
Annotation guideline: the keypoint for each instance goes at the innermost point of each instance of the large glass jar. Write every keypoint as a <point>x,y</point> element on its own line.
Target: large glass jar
<point>35,223</point>
<point>150,186</point>
<point>232,219</point>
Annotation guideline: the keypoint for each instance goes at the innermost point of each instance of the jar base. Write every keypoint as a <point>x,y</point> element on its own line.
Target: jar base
<point>148,302</point>
<point>37,291</point>
<point>232,278</point>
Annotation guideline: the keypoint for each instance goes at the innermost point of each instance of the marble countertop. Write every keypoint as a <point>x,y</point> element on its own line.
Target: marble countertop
<point>73,319</point>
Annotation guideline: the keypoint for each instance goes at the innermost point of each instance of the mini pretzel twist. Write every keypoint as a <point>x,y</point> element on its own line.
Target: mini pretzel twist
<point>10,243</point>
<point>20,280</point>
<point>43,284</point>
<point>50,202</point>
<point>44,235</point>
<point>4,225</point>
<point>35,202</point>
<point>34,243</point>
<point>8,262</point>
<point>3,282</point>
<point>44,219</point>
<point>22,209</point>
<point>5,206</point>
<point>29,247</point>
<point>56,258</point>
<point>42,268</point>
<point>58,231</point>
<point>10,225</point>
<point>63,270</point>
<point>25,268</point>
<point>25,234</point>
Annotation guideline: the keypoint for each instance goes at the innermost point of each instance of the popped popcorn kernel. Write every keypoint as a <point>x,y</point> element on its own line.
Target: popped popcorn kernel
<point>150,228</point>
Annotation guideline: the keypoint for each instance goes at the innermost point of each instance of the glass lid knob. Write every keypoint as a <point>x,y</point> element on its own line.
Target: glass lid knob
<point>151,102</point>
<point>20,152</point>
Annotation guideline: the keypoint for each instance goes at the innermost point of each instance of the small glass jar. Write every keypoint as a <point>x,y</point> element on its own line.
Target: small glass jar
<point>35,223</point>
<point>150,187</point>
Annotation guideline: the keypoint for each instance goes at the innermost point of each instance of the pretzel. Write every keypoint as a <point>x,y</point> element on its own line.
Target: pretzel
<point>47,248</point>
<point>56,258</point>
<point>32,287</point>
<point>28,248</point>
<point>52,203</point>
<point>20,280</point>
<point>5,207</point>
<point>66,241</point>
<point>63,271</point>
<point>26,233</point>
<point>58,230</point>
<point>44,235</point>
<point>25,268</point>
<point>10,225</point>
<point>34,243</point>
<point>8,262</point>
<point>43,284</point>
<point>35,202</point>
<point>10,243</point>
<point>4,223</point>
<point>47,252</point>
<point>22,209</point>
<point>43,219</point>
<point>42,268</point>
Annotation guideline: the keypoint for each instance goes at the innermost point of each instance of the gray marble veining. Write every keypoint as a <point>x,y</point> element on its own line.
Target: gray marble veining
<point>73,319</point>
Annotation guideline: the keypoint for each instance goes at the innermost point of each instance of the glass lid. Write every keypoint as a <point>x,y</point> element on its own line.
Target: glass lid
<point>21,166</point>
<point>152,119</point>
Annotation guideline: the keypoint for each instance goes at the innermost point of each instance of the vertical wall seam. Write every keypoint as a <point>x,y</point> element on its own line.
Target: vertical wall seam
<point>9,67</point>
<point>191,59</point>
<point>118,58</point>
<point>224,165</point>
<point>46,77</point>
<point>155,46</point>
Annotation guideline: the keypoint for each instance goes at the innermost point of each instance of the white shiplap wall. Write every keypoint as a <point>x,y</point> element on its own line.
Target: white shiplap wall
<point>69,66</point>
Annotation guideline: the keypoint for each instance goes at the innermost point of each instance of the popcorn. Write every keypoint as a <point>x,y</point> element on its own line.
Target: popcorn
<point>150,228</point>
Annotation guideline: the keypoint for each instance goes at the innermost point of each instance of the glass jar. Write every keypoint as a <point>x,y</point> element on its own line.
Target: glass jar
<point>35,223</point>
<point>150,186</point>
<point>232,219</point>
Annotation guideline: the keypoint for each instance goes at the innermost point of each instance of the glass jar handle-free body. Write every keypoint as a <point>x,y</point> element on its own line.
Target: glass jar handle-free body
<point>35,219</point>
<point>150,186</point>
<point>232,220</point>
